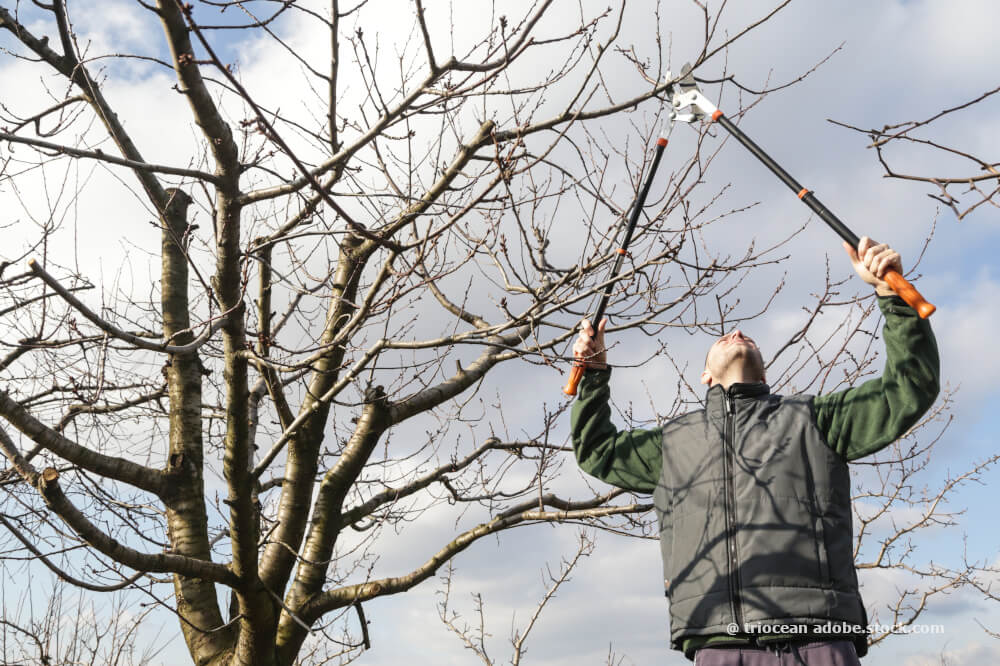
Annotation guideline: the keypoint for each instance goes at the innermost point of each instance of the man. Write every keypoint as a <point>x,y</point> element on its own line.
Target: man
<point>753,491</point>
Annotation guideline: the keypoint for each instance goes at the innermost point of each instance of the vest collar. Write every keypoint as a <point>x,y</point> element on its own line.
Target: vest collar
<point>717,397</point>
<point>737,390</point>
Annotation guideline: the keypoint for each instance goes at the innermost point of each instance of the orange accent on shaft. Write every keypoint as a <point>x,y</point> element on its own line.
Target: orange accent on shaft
<point>803,192</point>
<point>621,250</point>
<point>716,114</point>
<point>661,141</point>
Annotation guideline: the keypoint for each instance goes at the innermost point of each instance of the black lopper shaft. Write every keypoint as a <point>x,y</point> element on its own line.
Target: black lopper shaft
<point>896,281</point>
<point>806,195</point>
<point>576,373</point>
<point>633,219</point>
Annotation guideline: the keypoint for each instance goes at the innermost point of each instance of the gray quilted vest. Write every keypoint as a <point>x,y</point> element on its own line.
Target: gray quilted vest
<point>755,518</point>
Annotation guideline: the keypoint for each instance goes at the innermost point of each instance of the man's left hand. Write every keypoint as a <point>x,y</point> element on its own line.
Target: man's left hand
<point>871,260</point>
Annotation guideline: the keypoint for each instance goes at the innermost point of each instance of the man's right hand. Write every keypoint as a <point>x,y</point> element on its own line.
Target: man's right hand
<point>589,345</point>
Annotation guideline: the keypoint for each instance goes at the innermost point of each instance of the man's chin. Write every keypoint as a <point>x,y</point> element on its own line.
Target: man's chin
<point>746,361</point>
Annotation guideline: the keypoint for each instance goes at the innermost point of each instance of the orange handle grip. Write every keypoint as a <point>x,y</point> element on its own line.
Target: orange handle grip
<point>575,375</point>
<point>908,293</point>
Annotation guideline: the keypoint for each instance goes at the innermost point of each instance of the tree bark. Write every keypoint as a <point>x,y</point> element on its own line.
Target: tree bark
<point>326,524</point>
<point>187,521</point>
<point>303,448</point>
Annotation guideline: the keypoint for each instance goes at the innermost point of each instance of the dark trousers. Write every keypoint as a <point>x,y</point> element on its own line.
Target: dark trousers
<point>824,653</point>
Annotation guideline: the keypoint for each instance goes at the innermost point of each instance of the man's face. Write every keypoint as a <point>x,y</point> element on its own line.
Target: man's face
<point>733,354</point>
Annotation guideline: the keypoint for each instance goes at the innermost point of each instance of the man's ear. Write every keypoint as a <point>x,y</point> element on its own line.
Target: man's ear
<point>706,377</point>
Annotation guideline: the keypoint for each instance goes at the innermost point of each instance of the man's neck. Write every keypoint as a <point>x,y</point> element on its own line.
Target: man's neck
<point>737,379</point>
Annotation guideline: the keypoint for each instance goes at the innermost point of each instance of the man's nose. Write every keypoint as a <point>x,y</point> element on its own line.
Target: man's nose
<point>738,335</point>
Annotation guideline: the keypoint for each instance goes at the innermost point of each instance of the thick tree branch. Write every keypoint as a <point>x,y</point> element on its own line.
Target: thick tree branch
<point>119,469</point>
<point>125,336</point>
<point>101,156</point>
<point>47,484</point>
<point>215,128</point>
<point>305,435</point>
<point>461,380</point>
<point>69,65</point>
<point>326,524</point>
<point>187,518</point>
<point>522,514</point>
<point>317,406</point>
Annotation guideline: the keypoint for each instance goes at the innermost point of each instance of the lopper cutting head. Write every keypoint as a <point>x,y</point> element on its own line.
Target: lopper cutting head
<point>685,96</point>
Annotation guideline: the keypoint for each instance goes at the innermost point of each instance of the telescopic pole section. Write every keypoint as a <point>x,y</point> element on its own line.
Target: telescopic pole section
<point>898,283</point>
<point>579,365</point>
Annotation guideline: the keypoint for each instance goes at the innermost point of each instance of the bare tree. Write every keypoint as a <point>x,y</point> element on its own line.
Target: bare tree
<point>70,628</point>
<point>474,636</point>
<point>896,508</point>
<point>336,280</point>
<point>976,173</point>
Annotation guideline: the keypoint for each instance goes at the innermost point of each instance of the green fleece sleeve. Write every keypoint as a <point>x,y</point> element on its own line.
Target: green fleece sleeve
<point>630,459</point>
<point>861,420</point>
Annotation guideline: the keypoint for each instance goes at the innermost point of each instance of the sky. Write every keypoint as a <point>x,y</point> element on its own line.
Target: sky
<point>892,61</point>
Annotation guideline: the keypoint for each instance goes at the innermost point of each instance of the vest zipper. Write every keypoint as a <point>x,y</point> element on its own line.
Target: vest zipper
<point>729,448</point>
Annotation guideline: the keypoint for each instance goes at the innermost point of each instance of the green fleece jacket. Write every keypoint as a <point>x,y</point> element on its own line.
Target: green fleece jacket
<point>855,422</point>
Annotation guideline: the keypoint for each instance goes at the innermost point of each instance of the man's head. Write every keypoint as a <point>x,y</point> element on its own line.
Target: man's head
<point>731,359</point>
